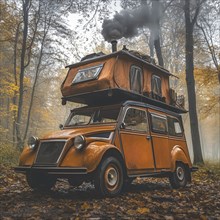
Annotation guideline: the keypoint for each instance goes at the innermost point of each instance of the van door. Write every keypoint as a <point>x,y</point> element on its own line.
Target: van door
<point>136,141</point>
<point>160,141</point>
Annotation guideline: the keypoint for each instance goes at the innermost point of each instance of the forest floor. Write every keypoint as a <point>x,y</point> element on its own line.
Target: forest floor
<point>145,199</point>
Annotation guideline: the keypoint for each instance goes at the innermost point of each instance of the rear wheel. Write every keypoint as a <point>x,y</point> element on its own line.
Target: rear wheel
<point>40,182</point>
<point>178,178</point>
<point>109,177</point>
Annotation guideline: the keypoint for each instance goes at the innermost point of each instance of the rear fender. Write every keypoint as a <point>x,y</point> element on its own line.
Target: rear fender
<point>178,155</point>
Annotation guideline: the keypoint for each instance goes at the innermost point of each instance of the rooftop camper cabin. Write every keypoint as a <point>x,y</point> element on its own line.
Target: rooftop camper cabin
<point>119,76</point>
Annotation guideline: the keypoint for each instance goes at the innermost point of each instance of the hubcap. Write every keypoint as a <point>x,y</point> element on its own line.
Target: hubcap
<point>180,173</point>
<point>112,176</point>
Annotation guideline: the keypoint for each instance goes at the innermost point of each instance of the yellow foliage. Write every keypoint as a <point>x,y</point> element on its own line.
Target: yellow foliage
<point>13,107</point>
<point>8,88</point>
<point>207,90</point>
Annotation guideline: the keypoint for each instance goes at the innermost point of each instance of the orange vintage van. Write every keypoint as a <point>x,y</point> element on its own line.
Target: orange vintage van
<point>131,127</point>
<point>110,145</point>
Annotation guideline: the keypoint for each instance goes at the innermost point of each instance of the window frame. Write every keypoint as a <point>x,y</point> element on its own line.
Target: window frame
<point>142,78</point>
<point>158,116</point>
<point>93,111</point>
<point>180,125</point>
<point>147,120</point>
<point>96,76</point>
<point>154,76</point>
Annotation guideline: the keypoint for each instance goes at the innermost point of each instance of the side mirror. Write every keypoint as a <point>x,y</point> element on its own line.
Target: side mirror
<point>122,125</point>
<point>61,127</point>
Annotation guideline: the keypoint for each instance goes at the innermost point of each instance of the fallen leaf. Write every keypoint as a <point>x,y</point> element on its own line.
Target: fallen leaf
<point>143,210</point>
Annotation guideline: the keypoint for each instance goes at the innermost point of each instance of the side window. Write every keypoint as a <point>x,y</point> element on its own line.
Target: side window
<point>136,119</point>
<point>136,79</point>
<point>159,123</point>
<point>156,85</point>
<point>174,127</point>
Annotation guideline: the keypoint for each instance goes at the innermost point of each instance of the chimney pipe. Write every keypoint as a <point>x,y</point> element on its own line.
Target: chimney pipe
<point>114,45</point>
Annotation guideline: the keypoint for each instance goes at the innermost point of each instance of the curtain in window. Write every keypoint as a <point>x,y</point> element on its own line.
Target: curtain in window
<point>156,85</point>
<point>136,79</point>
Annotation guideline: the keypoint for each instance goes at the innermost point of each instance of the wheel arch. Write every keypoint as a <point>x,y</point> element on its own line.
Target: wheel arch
<point>91,156</point>
<point>114,152</point>
<point>178,156</point>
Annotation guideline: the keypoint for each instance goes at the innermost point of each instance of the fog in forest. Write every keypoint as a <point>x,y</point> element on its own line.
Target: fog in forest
<point>210,137</point>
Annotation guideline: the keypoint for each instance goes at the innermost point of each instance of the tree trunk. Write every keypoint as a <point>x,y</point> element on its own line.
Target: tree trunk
<point>14,99</point>
<point>46,27</point>
<point>158,51</point>
<point>151,44</point>
<point>21,82</point>
<point>155,32</point>
<point>190,81</point>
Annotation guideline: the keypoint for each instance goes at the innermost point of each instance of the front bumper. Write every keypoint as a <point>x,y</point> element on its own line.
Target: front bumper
<point>59,171</point>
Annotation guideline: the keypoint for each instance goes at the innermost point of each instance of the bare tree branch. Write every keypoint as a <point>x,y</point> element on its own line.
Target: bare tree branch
<point>97,7</point>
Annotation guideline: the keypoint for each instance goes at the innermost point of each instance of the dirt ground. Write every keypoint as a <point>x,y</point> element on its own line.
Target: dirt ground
<point>147,198</point>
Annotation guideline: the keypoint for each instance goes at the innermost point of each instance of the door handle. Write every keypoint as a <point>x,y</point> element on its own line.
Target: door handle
<point>148,137</point>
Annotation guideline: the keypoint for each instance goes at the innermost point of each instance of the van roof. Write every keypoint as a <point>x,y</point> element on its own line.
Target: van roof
<point>134,104</point>
<point>145,105</point>
<point>122,53</point>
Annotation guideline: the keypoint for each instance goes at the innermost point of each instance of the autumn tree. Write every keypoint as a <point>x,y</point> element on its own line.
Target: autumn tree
<point>155,29</point>
<point>190,20</point>
<point>207,26</point>
<point>9,20</point>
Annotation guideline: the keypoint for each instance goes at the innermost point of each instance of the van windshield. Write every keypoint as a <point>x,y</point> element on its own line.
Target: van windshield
<point>85,116</point>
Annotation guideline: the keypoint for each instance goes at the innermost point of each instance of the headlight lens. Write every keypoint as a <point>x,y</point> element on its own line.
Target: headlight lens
<point>79,142</point>
<point>32,142</point>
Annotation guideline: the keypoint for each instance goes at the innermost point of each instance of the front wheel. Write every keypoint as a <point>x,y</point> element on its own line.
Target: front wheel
<point>109,177</point>
<point>178,178</point>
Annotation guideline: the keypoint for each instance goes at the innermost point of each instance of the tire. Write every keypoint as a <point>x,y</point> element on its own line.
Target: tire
<point>77,181</point>
<point>109,178</point>
<point>40,182</point>
<point>178,179</point>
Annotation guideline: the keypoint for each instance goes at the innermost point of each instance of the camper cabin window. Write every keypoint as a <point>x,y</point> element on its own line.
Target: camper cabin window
<point>87,74</point>
<point>156,85</point>
<point>136,79</point>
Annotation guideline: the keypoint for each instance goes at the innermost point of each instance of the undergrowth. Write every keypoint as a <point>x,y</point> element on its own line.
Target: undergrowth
<point>9,155</point>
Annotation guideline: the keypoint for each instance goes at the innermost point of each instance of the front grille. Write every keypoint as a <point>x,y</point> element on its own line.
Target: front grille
<point>49,152</point>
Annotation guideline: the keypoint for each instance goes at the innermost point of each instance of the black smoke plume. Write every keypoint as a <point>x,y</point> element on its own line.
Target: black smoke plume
<point>126,23</point>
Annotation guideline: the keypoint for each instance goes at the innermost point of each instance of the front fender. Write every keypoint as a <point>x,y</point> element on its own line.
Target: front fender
<point>177,154</point>
<point>27,157</point>
<point>89,157</point>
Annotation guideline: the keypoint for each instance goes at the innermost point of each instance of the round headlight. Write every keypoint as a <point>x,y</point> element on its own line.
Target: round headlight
<point>32,142</point>
<point>79,142</point>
